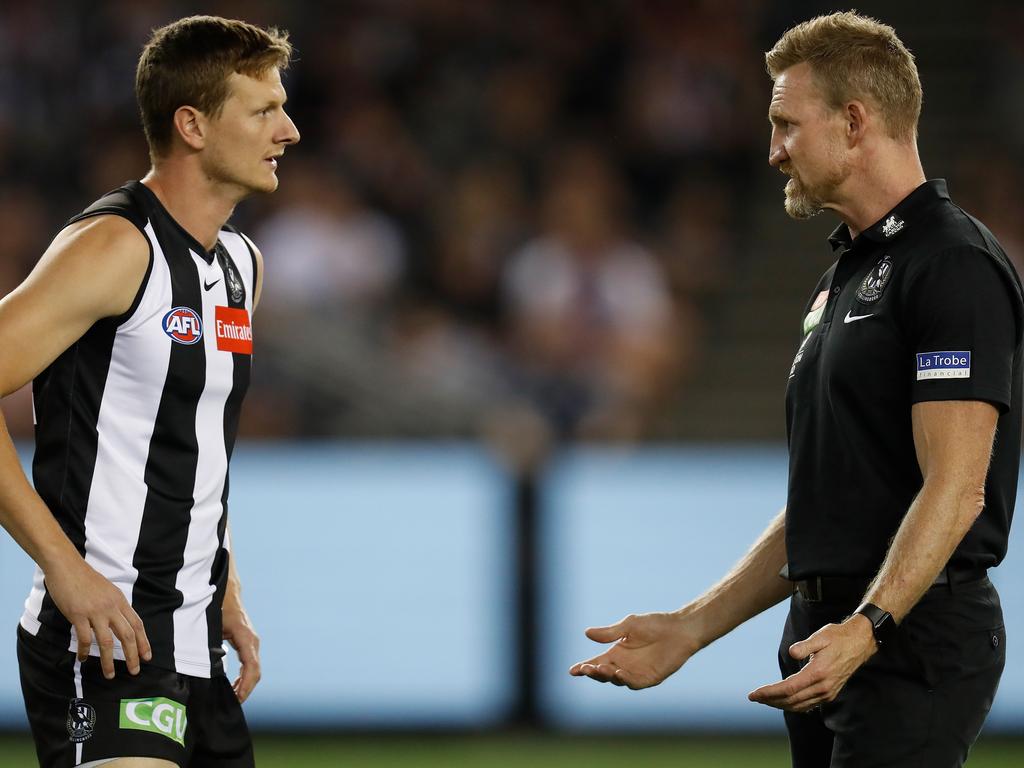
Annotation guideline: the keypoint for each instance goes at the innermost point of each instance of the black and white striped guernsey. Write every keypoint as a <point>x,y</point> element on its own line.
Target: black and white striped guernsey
<point>135,425</point>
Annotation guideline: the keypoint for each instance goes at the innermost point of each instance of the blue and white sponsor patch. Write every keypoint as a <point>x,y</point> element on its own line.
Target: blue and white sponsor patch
<point>943,365</point>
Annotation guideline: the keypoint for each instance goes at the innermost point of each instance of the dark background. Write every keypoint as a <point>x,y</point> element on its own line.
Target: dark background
<point>539,222</point>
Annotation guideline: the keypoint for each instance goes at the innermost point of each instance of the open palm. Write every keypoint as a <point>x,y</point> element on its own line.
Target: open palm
<point>648,648</point>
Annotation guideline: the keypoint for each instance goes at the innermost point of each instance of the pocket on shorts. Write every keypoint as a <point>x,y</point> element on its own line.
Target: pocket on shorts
<point>954,637</point>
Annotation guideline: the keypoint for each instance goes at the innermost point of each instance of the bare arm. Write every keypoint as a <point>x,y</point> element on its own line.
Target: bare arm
<point>92,270</point>
<point>239,631</point>
<point>953,440</point>
<point>650,647</point>
<point>238,628</point>
<point>751,587</point>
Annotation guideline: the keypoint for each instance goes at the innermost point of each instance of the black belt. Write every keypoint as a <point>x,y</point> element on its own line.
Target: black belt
<point>819,589</point>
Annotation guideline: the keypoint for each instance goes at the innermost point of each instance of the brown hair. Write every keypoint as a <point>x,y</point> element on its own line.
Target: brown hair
<point>188,62</point>
<point>855,57</point>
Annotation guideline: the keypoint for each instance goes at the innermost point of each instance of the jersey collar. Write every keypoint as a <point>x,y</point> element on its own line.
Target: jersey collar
<point>898,220</point>
<point>194,244</point>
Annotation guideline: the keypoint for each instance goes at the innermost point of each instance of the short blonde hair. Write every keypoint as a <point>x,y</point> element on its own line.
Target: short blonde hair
<point>855,57</point>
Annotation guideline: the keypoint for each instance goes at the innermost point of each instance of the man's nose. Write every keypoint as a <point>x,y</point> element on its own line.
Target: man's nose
<point>291,133</point>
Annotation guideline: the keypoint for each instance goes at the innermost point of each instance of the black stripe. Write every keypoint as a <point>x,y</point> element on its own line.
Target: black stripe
<point>232,410</point>
<point>67,397</point>
<point>171,464</point>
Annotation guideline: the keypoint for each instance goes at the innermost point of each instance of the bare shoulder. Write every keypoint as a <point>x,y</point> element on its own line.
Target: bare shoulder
<point>106,237</point>
<point>103,259</point>
<point>93,269</point>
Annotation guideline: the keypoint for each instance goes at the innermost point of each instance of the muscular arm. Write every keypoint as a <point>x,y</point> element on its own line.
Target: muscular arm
<point>953,440</point>
<point>91,270</point>
<point>650,647</point>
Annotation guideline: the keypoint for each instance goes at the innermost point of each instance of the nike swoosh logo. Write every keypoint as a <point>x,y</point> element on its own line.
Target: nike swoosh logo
<point>207,286</point>
<point>852,318</point>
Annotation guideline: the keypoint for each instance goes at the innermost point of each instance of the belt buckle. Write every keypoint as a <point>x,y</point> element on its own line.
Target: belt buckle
<point>810,589</point>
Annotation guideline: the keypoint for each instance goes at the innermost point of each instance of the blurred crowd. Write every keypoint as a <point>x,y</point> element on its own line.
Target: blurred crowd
<point>508,218</point>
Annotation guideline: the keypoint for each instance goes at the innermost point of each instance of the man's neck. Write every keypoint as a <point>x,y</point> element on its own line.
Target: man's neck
<point>872,192</point>
<point>199,206</point>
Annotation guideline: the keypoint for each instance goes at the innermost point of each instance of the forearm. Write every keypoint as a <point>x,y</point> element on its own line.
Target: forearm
<point>233,590</point>
<point>752,586</point>
<point>936,522</point>
<point>24,515</point>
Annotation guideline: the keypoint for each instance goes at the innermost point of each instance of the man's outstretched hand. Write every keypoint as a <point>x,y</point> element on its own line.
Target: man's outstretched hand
<point>648,648</point>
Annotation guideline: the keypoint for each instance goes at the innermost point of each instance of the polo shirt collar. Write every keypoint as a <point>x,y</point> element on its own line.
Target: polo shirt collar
<point>896,221</point>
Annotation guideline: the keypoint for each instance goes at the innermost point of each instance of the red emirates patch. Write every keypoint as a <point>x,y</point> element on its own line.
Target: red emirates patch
<point>234,334</point>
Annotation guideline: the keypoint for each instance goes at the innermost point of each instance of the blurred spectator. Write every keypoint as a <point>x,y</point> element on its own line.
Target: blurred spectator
<point>430,271</point>
<point>590,316</point>
<point>23,228</point>
<point>328,250</point>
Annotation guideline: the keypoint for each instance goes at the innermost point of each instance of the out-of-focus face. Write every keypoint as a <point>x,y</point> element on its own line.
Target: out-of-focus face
<point>250,133</point>
<point>807,143</point>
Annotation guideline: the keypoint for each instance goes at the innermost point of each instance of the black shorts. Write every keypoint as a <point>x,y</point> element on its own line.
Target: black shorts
<point>921,700</point>
<point>78,716</point>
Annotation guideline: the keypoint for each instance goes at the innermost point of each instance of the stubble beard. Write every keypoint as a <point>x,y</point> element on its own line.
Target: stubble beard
<point>800,202</point>
<point>804,201</point>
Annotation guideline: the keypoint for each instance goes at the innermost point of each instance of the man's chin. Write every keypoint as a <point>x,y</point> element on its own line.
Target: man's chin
<point>264,186</point>
<point>801,208</point>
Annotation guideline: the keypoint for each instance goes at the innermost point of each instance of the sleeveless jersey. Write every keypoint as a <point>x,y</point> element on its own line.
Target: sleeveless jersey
<point>135,425</point>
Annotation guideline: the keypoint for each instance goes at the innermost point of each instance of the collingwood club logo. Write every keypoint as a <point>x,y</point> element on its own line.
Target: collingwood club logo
<point>81,721</point>
<point>235,288</point>
<point>871,288</point>
<point>234,282</point>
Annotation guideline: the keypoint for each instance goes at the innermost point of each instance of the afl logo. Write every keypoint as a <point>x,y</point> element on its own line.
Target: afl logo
<point>183,325</point>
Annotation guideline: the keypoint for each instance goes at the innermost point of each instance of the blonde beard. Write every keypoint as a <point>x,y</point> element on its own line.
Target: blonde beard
<point>803,202</point>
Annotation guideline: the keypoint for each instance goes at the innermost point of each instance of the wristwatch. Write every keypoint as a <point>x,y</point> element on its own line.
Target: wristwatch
<point>882,623</point>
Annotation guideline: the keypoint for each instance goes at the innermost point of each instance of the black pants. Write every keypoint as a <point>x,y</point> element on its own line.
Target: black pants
<point>919,702</point>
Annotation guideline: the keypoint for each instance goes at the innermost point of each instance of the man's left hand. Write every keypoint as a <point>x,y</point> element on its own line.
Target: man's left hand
<point>834,653</point>
<point>239,632</point>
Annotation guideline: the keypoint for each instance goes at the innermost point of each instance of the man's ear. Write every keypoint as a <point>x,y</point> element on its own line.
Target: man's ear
<point>190,125</point>
<point>858,120</point>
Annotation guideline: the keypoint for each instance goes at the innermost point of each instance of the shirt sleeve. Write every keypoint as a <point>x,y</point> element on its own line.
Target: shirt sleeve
<point>962,328</point>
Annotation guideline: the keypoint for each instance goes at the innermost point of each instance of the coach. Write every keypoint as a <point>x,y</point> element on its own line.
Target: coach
<point>903,413</point>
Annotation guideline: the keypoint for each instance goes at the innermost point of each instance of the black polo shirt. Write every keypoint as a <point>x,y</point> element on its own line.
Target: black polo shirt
<point>924,305</point>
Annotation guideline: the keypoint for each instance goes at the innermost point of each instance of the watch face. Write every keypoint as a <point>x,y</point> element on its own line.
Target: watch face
<point>882,623</point>
<point>885,629</point>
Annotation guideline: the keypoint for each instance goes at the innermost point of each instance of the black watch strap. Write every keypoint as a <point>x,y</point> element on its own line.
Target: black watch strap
<point>882,623</point>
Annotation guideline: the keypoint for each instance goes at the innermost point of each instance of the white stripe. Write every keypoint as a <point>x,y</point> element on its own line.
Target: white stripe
<point>127,418</point>
<point>191,641</point>
<point>78,695</point>
<point>34,604</point>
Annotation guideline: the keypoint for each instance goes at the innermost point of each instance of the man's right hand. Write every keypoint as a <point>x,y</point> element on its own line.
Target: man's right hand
<point>648,648</point>
<point>97,609</point>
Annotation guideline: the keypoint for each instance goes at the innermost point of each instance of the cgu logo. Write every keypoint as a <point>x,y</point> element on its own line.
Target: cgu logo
<point>183,325</point>
<point>158,715</point>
